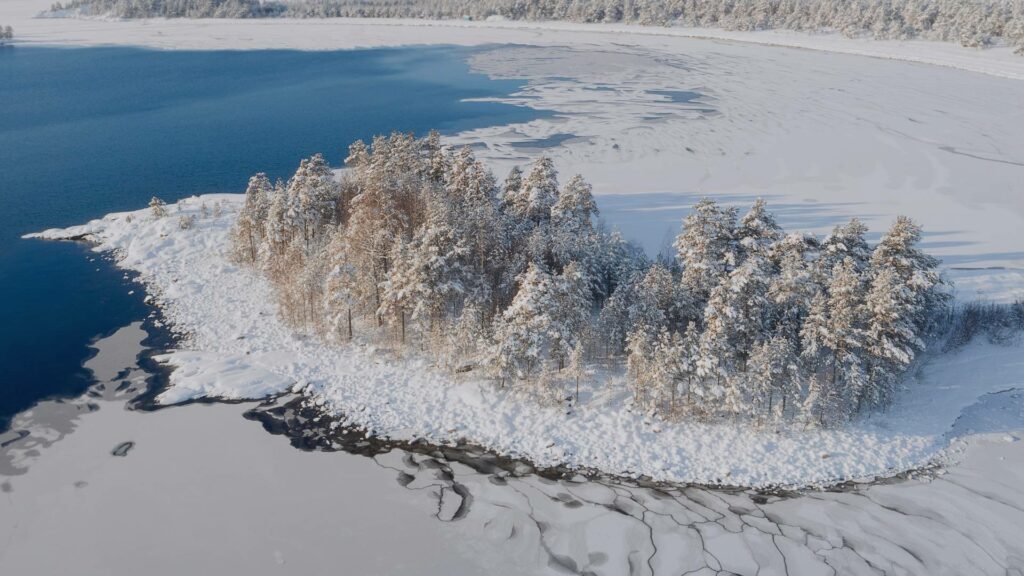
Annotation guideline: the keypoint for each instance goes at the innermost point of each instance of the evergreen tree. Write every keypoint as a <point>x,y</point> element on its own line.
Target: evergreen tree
<point>891,339</point>
<point>706,248</point>
<point>757,231</point>
<point>572,223</point>
<point>846,241</point>
<point>845,328</point>
<point>252,217</point>
<point>916,270</point>
<point>158,207</point>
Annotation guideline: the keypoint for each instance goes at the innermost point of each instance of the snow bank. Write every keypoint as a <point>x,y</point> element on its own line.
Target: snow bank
<point>236,348</point>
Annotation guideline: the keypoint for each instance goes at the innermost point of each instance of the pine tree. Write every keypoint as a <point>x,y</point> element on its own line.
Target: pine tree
<point>774,377</point>
<point>158,207</point>
<point>437,158</point>
<point>510,189</point>
<point>846,241</point>
<point>757,231</point>
<point>427,277</point>
<point>706,248</point>
<point>312,194</point>
<point>252,217</point>
<point>817,358</point>
<point>571,313</point>
<point>891,338</point>
<point>572,223</point>
<point>794,284</point>
<point>639,354</point>
<point>845,328</point>
<point>577,367</point>
<point>340,279</point>
<point>916,270</point>
<point>523,334</point>
<point>539,191</point>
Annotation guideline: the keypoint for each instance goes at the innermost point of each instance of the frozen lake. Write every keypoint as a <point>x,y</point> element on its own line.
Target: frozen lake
<point>198,489</point>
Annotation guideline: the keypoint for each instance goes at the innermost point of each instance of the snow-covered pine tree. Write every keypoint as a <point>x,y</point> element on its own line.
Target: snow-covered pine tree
<point>774,378</point>
<point>381,212</point>
<point>427,278</point>
<point>571,314</point>
<point>540,189</point>
<point>639,355</point>
<point>577,367</point>
<point>706,248</point>
<point>282,222</point>
<point>846,241</point>
<point>794,284</point>
<point>340,278</point>
<point>248,232</point>
<point>898,251</point>
<point>510,189</point>
<point>845,331</point>
<point>522,335</point>
<point>616,261</point>
<point>817,359</point>
<point>157,207</point>
<point>437,158</point>
<point>572,219</point>
<point>314,195</point>
<point>734,321</point>
<point>891,336</point>
<point>757,231</point>
<point>472,211</point>
<point>749,309</point>
<point>717,355</point>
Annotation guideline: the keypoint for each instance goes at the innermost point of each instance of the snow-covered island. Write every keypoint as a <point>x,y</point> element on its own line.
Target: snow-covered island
<point>419,297</point>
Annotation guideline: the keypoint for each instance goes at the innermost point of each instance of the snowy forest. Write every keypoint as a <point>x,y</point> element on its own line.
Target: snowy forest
<point>419,246</point>
<point>975,23</point>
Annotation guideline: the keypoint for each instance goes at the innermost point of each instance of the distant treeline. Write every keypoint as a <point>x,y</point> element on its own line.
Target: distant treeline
<point>975,23</point>
<point>6,33</point>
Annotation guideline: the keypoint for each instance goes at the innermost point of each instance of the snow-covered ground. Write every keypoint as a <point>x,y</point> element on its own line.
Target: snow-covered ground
<point>202,491</point>
<point>197,489</point>
<point>237,348</point>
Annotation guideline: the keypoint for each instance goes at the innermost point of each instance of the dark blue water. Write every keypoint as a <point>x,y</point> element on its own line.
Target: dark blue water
<point>84,132</point>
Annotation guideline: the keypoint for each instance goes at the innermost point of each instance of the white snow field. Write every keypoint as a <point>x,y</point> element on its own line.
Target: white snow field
<point>200,490</point>
<point>236,348</point>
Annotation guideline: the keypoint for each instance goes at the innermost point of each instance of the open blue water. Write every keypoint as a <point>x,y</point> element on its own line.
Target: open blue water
<point>84,132</point>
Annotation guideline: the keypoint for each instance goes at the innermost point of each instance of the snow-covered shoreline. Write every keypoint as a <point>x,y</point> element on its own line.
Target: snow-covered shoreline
<point>237,348</point>
<point>110,472</point>
<point>350,33</point>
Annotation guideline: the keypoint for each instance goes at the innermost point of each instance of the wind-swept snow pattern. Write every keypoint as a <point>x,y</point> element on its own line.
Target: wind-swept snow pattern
<point>941,145</point>
<point>231,326</point>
